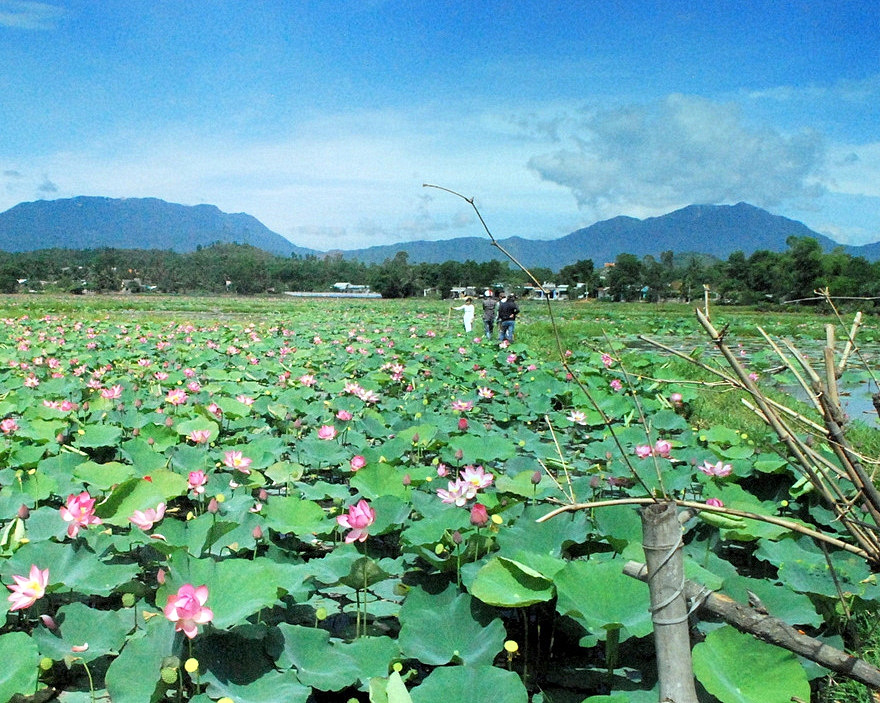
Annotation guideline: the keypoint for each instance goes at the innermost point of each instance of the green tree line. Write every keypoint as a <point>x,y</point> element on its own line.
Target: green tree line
<point>764,276</point>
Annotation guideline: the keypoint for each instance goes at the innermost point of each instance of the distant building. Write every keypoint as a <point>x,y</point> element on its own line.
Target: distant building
<point>547,291</point>
<point>463,292</point>
<point>346,287</point>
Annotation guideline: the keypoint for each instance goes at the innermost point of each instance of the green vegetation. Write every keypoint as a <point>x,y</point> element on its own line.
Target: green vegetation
<point>276,499</point>
<point>764,278</point>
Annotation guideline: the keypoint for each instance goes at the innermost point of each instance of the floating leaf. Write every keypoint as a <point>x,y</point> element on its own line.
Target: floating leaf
<point>510,584</point>
<point>461,683</point>
<point>20,657</point>
<point>449,626</point>
<point>737,668</point>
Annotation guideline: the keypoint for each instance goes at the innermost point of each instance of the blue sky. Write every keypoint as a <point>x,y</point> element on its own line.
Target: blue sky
<point>324,119</point>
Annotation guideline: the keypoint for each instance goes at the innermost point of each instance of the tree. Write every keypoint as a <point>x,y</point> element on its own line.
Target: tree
<point>625,278</point>
<point>582,271</point>
<point>805,256</point>
<point>394,278</point>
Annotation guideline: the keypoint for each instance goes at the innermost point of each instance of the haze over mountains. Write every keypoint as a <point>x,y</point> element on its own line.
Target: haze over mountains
<point>150,223</point>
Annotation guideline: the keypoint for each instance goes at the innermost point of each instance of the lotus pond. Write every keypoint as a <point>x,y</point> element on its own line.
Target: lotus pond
<point>284,501</point>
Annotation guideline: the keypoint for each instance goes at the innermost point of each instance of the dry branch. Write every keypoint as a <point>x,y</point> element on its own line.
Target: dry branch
<point>772,630</point>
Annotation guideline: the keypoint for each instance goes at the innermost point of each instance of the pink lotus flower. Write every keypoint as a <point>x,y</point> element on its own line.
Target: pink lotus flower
<point>477,478</point>
<point>455,493</point>
<point>236,460</point>
<point>79,512</point>
<point>357,462</point>
<point>616,384</point>
<point>607,361</point>
<point>511,358</point>
<point>145,519</point>
<point>662,447</point>
<point>8,425</point>
<point>244,399</point>
<point>215,410</point>
<point>161,375</point>
<point>643,451</point>
<point>343,415</point>
<point>359,518</point>
<point>462,405</point>
<point>675,398</point>
<point>462,424</point>
<point>194,386</point>
<point>112,393</point>
<point>307,380</point>
<point>326,432</point>
<point>187,610</point>
<point>199,436</point>
<point>485,392</point>
<point>578,417</point>
<point>368,396</point>
<point>196,481</point>
<point>28,591</point>
<point>720,469</point>
<point>176,397</point>
<point>715,502</point>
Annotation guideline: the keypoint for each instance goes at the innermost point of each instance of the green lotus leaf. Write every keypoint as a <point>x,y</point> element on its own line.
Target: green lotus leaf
<point>459,683</point>
<point>90,436</point>
<point>18,675</point>
<point>318,663</point>
<point>103,630</point>
<point>390,690</point>
<point>449,626</point>
<point>143,456</point>
<point>600,597</point>
<point>73,565</point>
<point>102,477</point>
<point>738,668</point>
<point>510,584</point>
<point>301,517</point>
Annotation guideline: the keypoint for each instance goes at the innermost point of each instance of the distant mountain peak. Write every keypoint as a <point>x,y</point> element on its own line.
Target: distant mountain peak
<point>90,222</point>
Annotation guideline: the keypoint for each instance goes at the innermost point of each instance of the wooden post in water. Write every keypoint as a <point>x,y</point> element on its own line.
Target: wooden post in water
<point>661,539</point>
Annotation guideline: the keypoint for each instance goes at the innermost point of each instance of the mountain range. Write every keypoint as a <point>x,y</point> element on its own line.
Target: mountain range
<point>149,223</point>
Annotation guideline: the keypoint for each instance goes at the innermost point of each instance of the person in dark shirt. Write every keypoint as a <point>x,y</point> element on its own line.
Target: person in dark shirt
<point>490,303</point>
<point>507,312</point>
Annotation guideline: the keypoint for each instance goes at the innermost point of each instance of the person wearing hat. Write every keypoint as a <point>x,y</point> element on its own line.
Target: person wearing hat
<point>490,302</point>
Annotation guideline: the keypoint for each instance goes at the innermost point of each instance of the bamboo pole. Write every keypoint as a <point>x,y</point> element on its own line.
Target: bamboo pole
<point>665,567</point>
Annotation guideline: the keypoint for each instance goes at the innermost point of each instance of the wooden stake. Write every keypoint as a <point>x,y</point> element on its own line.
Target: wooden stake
<point>665,567</point>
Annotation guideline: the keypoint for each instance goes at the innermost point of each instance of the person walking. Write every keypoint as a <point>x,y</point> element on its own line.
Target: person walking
<point>490,303</point>
<point>468,316</point>
<point>507,312</point>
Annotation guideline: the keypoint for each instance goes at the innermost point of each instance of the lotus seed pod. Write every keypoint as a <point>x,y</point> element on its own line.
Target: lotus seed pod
<point>128,599</point>
<point>191,665</point>
<point>168,674</point>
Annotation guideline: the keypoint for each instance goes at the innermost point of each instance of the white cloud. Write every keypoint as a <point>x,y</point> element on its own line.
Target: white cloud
<point>23,14</point>
<point>679,151</point>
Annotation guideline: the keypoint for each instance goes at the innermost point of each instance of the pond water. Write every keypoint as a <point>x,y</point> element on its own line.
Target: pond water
<point>854,387</point>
